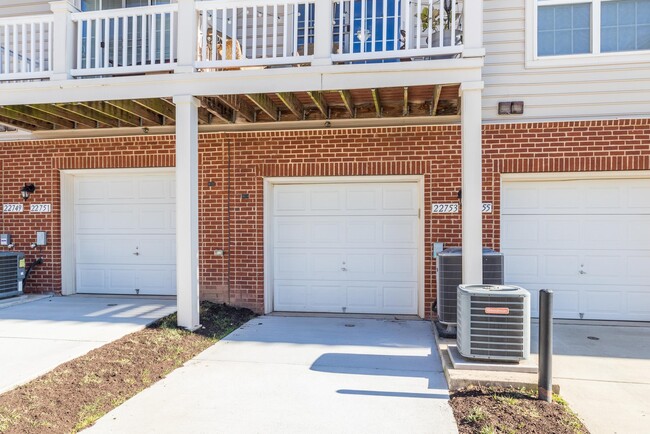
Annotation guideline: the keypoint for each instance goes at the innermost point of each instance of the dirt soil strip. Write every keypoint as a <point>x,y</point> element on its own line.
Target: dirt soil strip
<point>77,393</point>
<point>487,410</point>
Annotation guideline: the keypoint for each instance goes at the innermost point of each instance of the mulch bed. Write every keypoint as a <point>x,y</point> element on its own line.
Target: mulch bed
<point>77,393</point>
<point>484,410</point>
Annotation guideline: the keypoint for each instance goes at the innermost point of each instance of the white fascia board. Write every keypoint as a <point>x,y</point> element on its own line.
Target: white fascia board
<point>292,79</point>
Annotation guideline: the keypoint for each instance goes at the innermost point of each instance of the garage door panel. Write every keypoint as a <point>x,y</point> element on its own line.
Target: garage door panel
<point>157,280</point>
<point>91,278</point>
<point>400,297</point>
<point>363,298</point>
<point>337,246</point>
<point>521,266</point>
<point>595,255</point>
<point>347,199</point>
<point>325,199</point>
<point>123,190</point>
<point>362,198</point>
<point>400,197</point>
<point>559,267</point>
<point>326,296</point>
<point>638,305</point>
<point>520,233</point>
<point>125,239</point>
<point>122,279</point>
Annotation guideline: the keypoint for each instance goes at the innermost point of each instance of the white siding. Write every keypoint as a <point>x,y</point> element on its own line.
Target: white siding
<point>616,89</point>
<point>12,8</point>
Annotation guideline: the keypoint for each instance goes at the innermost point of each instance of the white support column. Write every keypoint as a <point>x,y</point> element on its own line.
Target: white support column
<point>187,211</point>
<point>472,184</point>
<point>188,35</point>
<point>323,28</point>
<point>473,29</point>
<point>62,57</point>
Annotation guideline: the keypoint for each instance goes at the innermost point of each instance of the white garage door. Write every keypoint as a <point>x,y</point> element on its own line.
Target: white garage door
<point>588,240</point>
<point>349,248</point>
<point>125,234</point>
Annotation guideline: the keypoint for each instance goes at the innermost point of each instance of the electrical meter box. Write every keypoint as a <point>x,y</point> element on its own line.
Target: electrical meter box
<point>5,239</point>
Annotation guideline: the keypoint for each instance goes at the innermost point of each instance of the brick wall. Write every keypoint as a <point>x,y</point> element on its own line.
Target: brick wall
<point>238,162</point>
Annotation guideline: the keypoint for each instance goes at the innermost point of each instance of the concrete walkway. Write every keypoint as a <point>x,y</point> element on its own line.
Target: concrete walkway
<point>603,370</point>
<point>300,375</point>
<point>38,336</point>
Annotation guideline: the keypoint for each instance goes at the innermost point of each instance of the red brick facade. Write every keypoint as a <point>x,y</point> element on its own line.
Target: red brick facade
<point>238,162</point>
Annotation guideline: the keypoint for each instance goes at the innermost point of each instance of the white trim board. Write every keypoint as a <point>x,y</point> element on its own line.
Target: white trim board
<point>68,265</point>
<point>269,183</point>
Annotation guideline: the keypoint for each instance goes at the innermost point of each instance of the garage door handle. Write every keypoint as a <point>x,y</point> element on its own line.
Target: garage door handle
<point>582,272</point>
<point>136,253</point>
<point>344,269</point>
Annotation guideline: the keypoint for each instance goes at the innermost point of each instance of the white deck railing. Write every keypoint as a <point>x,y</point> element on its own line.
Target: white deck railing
<point>125,41</point>
<point>265,33</point>
<point>372,29</point>
<point>230,34</point>
<point>25,47</point>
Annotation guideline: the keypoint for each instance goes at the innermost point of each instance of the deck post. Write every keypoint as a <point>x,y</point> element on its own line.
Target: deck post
<point>187,211</point>
<point>472,184</point>
<point>62,56</point>
<point>187,36</point>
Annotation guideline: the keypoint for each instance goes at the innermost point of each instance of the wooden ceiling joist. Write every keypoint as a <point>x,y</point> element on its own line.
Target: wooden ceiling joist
<point>265,104</point>
<point>376,100</point>
<point>437,90</point>
<point>239,105</point>
<point>14,113</point>
<point>65,114</point>
<point>159,105</point>
<point>321,103</point>
<point>346,97</point>
<point>89,113</point>
<point>218,110</point>
<point>124,118</point>
<point>292,102</point>
<point>136,109</point>
<point>34,113</point>
<point>18,124</point>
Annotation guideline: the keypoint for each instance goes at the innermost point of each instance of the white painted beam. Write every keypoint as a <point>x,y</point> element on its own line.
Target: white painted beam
<point>63,37</point>
<point>472,184</point>
<point>187,211</point>
<point>323,78</point>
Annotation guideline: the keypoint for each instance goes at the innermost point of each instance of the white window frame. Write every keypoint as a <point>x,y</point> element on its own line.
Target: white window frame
<point>534,61</point>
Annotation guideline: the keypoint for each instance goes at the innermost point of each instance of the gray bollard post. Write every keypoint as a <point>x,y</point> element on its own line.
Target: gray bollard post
<point>545,371</point>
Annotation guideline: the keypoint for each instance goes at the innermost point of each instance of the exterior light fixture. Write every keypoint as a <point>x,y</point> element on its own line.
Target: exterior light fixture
<point>511,108</point>
<point>27,190</point>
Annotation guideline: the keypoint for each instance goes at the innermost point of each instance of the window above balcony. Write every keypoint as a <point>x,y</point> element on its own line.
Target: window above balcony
<point>564,33</point>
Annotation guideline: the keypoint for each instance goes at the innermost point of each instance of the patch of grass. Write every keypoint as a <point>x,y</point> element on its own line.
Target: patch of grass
<point>487,429</point>
<point>487,410</point>
<point>89,414</point>
<point>476,415</point>
<point>7,418</point>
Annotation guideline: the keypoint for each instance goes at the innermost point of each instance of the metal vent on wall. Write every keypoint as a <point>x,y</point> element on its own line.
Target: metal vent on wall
<point>493,322</point>
<point>449,274</point>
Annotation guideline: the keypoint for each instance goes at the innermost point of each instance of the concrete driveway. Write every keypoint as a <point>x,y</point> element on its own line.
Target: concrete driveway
<point>300,375</point>
<point>603,370</point>
<point>38,336</point>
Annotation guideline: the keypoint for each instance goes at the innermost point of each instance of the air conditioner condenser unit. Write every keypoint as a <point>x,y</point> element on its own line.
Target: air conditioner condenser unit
<point>12,273</point>
<point>493,322</point>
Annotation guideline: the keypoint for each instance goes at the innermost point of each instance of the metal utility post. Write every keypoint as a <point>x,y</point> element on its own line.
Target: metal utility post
<point>545,373</point>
